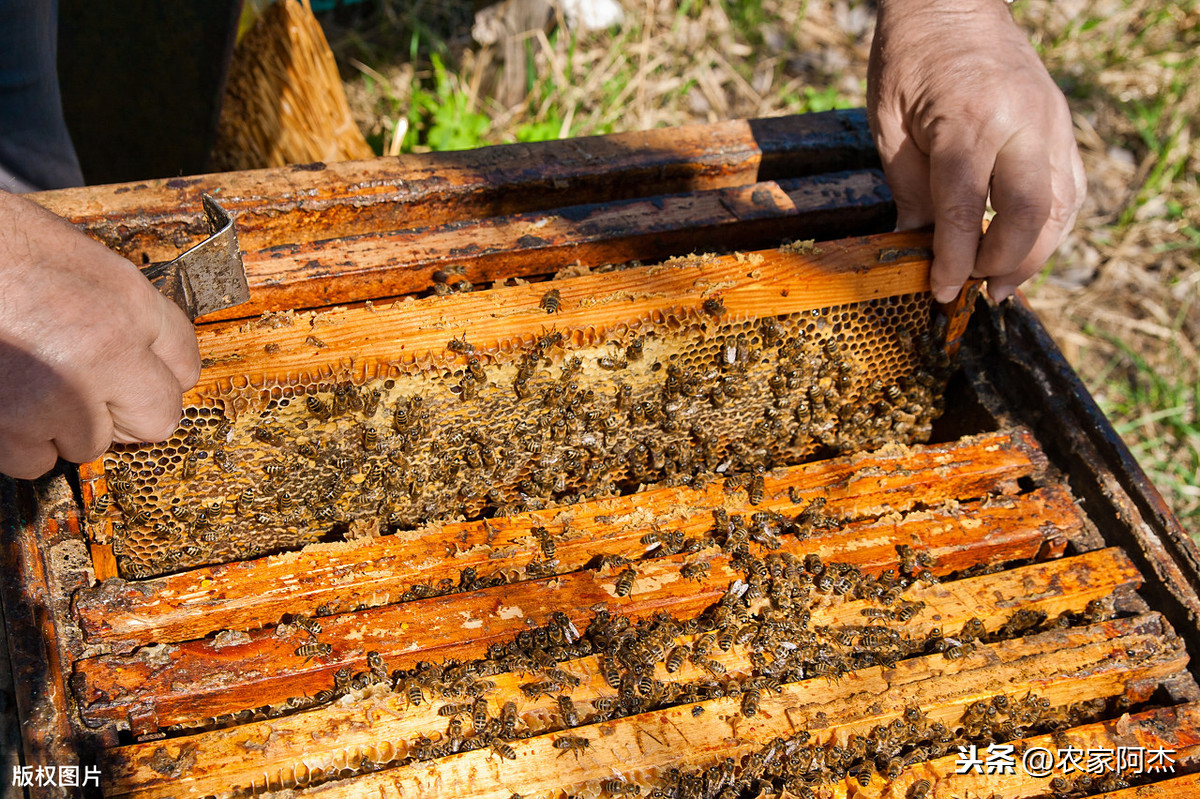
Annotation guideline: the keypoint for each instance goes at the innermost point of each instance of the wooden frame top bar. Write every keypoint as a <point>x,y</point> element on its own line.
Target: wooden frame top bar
<point>306,202</point>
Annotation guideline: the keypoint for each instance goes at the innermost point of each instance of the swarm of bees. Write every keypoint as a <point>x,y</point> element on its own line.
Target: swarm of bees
<point>546,423</point>
<point>766,613</point>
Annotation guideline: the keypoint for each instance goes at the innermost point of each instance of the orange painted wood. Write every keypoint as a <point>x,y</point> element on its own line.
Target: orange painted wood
<point>1169,728</point>
<point>671,737</point>
<point>1186,786</point>
<point>1172,728</point>
<point>192,681</point>
<point>341,577</point>
<point>383,724</point>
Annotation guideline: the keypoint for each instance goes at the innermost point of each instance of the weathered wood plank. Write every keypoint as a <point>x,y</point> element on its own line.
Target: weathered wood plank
<point>1186,786</point>
<point>383,724</point>
<point>341,577</point>
<point>674,737</point>
<point>1174,728</point>
<point>300,275</point>
<point>157,219</point>
<point>39,526</point>
<point>196,680</point>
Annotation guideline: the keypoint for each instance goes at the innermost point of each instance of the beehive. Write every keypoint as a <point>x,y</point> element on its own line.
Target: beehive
<point>770,566</point>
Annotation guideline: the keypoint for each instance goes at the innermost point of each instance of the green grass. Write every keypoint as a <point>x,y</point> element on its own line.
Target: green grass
<point>441,116</point>
<point>1157,412</point>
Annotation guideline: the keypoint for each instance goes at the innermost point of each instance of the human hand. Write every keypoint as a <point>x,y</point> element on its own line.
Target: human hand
<point>960,104</point>
<point>90,353</point>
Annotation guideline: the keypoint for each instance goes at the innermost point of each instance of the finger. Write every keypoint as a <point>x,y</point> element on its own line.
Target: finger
<point>148,408</point>
<point>25,459</point>
<point>175,345</point>
<point>85,434</point>
<point>959,186</point>
<point>1023,195</point>
<point>1061,220</point>
<point>908,176</point>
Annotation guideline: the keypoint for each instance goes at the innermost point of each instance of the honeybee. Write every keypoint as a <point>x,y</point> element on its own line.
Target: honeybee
<point>475,367</point>
<point>180,513</point>
<point>311,626</point>
<point>412,689</point>
<point>550,301</point>
<point>245,499</point>
<point>546,541</point>
<point>188,469</point>
<point>612,676</point>
<point>371,402</point>
<point>370,439</point>
<point>571,743</point>
<point>612,363</point>
<point>378,670</point>
<point>714,307</point>
<point>311,650</point>
<point>504,750</point>
<point>456,709</point>
<point>566,709</point>
<point>460,345</point>
<point>479,714</point>
<point>750,700</point>
<point>468,388</point>
<point>267,435</point>
<point>222,460</point>
<point>317,407</point>
<point>624,582</point>
<point>615,787</point>
<point>604,706</point>
<point>100,505</point>
<point>757,486</point>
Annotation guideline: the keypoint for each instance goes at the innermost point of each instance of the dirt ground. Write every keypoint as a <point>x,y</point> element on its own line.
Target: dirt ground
<point>1122,297</point>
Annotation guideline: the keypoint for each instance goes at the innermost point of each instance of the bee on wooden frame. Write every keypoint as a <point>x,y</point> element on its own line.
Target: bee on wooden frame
<point>571,743</point>
<point>714,307</point>
<point>311,650</point>
<point>460,345</point>
<point>624,582</point>
<point>550,301</point>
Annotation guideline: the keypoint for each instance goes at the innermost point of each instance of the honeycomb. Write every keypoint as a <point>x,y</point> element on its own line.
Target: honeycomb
<point>523,424</point>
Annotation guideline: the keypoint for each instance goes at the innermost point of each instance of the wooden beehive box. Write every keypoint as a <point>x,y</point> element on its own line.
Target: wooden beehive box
<point>494,489</point>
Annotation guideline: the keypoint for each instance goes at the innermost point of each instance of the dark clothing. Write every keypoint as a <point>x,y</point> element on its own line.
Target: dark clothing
<point>35,147</point>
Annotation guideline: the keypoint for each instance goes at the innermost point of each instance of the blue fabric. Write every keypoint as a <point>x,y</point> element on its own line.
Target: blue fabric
<point>35,146</point>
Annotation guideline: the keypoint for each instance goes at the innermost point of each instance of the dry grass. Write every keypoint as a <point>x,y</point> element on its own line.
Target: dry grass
<point>1123,296</point>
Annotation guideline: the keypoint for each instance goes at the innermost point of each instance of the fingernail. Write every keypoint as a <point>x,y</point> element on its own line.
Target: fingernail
<point>946,293</point>
<point>1000,293</point>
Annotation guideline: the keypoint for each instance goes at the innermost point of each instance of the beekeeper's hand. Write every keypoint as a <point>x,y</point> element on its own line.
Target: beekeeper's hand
<point>90,353</point>
<point>960,106</point>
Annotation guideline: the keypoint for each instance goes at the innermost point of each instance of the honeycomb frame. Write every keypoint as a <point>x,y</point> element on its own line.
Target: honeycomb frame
<point>505,400</point>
